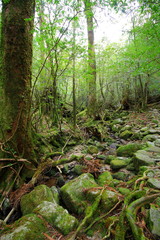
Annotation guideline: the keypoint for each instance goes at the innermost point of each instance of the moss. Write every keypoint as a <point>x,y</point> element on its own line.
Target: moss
<point>126,134</point>
<point>34,198</point>
<point>73,194</point>
<point>29,227</point>
<point>104,178</point>
<point>57,216</point>
<point>92,150</point>
<point>129,149</point>
<point>117,164</point>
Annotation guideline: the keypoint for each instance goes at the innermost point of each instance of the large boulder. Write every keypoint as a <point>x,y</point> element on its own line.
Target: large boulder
<point>34,198</point>
<point>57,216</point>
<point>73,194</point>
<point>29,227</point>
<point>142,158</point>
<point>82,191</point>
<point>129,149</point>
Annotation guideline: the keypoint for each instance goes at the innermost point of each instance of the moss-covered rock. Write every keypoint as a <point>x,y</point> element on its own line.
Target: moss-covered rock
<point>154,220</point>
<point>154,183</point>
<point>73,192</point>
<point>29,227</point>
<point>92,150</point>
<point>109,158</point>
<point>126,134</point>
<point>118,163</point>
<point>57,216</point>
<point>55,194</point>
<point>34,198</point>
<point>129,149</point>
<point>150,137</point>
<point>142,158</point>
<point>105,178</point>
<point>102,157</point>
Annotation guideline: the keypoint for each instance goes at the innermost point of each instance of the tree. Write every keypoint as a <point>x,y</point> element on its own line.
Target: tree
<point>91,58</point>
<point>17,33</point>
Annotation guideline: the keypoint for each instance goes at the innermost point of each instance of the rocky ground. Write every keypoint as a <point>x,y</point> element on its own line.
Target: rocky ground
<point>108,186</point>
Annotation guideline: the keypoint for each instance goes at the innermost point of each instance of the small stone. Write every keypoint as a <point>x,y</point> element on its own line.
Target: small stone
<point>154,183</point>
<point>92,150</point>
<point>154,220</point>
<point>102,157</point>
<point>117,164</point>
<point>129,149</point>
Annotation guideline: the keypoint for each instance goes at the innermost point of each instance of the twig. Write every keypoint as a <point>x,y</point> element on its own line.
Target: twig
<point>47,236</point>
<point>9,215</point>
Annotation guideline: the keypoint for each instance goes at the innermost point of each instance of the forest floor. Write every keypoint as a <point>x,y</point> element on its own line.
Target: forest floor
<point>93,148</point>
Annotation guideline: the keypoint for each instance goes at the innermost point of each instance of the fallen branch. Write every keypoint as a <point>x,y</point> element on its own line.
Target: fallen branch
<point>13,160</point>
<point>47,164</point>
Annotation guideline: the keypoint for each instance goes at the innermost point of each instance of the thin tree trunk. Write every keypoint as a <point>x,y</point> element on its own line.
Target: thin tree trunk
<point>74,76</point>
<point>91,59</point>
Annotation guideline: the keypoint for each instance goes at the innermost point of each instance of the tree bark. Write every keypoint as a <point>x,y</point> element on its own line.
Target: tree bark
<point>91,59</point>
<point>17,33</point>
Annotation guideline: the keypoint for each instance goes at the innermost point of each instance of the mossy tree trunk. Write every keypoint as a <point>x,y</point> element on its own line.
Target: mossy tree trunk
<point>17,33</point>
<point>91,59</point>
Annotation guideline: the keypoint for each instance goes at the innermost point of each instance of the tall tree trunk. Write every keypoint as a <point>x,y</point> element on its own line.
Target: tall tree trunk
<point>74,74</point>
<point>91,59</point>
<point>17,32</point>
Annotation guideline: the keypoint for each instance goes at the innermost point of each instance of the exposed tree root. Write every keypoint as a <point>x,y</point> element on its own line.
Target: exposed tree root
<point>131,211</point>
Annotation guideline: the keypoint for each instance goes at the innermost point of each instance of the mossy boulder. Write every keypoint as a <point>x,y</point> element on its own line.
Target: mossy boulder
<point>126,134</point>
<point>109,158</point>
<point>150,137</point>
<point>92,150</point>
<point>73,192</point>
<point>129,149</point>
<point>34,198</point>
<point>143,158</point>
<point>119,163</point>
<point>57,216</point>
<point>29,227</point>
<point>105,178</point>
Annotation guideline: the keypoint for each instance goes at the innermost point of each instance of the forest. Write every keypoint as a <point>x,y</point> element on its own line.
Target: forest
<point>79,120</point>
